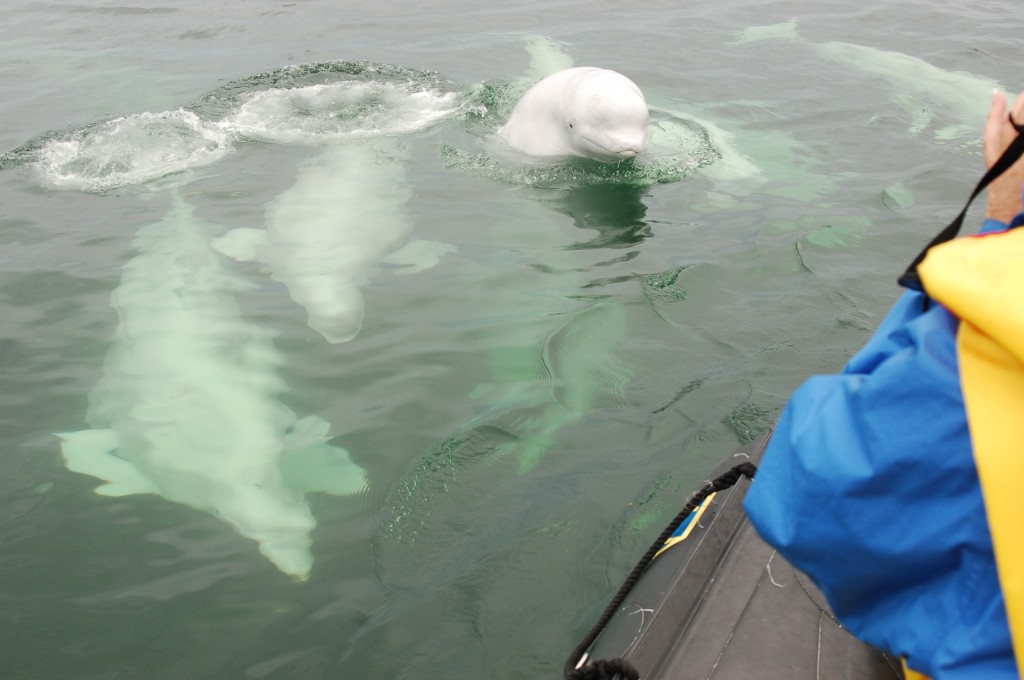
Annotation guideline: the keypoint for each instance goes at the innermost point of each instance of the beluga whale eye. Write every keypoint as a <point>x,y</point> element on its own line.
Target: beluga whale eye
<point>570,126</point>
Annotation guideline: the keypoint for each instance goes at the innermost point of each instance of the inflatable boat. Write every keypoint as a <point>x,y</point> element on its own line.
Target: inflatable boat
<point>717,603</point>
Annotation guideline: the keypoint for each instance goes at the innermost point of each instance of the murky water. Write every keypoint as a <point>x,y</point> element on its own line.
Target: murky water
<point>343,389</point>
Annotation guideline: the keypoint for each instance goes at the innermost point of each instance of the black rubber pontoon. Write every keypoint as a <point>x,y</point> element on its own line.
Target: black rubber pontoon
<point>721,604</point>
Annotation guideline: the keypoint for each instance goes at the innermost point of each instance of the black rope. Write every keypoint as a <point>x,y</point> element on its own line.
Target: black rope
<point>605,669</point>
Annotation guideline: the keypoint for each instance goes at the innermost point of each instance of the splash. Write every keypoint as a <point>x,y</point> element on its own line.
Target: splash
<point>226,99</point>
<point>130,150</point>
<point>350,110</point>
<point>310,104</point>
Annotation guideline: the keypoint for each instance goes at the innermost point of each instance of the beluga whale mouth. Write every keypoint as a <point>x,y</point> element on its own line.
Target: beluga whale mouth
<point>602,151</point>
<point>583,111</point>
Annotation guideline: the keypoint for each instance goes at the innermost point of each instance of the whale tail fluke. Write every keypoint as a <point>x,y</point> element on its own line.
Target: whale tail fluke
<point>244,244</point>
<point>91,452</point>
<point>311,465</point>
<point>785,30</point>
<point>418,255</point>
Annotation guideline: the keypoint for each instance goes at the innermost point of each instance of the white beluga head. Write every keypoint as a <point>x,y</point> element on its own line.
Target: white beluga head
<point>583,111</point>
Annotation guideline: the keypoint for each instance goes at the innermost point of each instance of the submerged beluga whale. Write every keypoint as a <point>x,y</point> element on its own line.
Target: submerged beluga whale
<point>927,94</point>
<point>187,406</point>
<point>581,111</point>
<point>328,234</point>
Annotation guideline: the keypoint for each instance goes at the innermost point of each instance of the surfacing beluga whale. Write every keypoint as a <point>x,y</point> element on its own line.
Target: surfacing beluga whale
<point>618,135</point>
<point>582,111</point>
<point>187,407</point>
<point>572,110</point>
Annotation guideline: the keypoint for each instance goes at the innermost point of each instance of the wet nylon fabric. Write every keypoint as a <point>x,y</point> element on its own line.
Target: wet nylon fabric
<point>869,485</point>
<point>981,281</point>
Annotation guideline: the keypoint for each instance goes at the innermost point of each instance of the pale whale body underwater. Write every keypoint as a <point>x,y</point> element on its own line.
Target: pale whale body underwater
<point>187,407</point>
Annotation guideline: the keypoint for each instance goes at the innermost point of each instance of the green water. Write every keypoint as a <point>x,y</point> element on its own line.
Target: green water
<point>555,359</point>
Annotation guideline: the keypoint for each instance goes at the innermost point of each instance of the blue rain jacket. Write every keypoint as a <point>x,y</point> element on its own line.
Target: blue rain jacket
<point>869,486</point>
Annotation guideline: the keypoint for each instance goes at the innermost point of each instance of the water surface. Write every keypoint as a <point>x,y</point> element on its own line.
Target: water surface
<point>560,358</point>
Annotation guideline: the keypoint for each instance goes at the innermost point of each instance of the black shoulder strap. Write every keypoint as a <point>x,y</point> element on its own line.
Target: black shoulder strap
<point>910,278</point>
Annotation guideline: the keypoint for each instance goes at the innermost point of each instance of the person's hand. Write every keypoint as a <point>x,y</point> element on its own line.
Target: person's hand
<point>1004,193</point>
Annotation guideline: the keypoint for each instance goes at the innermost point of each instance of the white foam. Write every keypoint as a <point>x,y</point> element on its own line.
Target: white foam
<point>147,146</point>
<point>131,150</point>
<point>338,111</point>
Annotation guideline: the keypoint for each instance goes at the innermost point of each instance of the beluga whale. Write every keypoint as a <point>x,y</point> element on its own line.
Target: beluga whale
<point>188,406</point>
<point>583,111</point>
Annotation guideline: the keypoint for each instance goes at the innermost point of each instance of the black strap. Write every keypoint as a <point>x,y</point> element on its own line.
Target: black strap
<point>910,278</point>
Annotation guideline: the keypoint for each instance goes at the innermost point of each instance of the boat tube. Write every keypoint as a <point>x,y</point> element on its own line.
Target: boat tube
<point>718,603</point>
